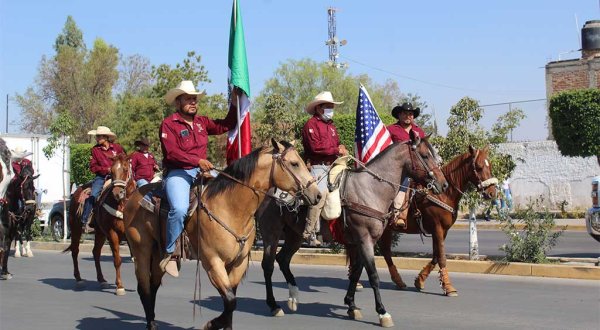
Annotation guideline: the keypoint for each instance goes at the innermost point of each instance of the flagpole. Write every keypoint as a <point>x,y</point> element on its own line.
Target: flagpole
<point>239,126</point>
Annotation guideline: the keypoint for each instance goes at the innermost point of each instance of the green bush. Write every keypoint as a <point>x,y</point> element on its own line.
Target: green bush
<point>80,163</point>
<point>535,239</point>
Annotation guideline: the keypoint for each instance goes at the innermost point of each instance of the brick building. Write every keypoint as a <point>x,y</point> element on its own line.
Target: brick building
<point>579,73</point>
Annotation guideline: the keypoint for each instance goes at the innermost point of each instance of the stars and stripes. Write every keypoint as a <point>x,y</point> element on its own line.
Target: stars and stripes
<point>371,135</point>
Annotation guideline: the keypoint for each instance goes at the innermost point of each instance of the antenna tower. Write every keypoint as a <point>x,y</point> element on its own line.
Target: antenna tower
<point>333,41</point>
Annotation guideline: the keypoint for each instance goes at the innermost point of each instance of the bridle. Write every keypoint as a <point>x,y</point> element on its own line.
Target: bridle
<point>21,187</point>
<point>118,183</point>
<point>425,168</point>
<point>482,184</point>
<point>279,158</point>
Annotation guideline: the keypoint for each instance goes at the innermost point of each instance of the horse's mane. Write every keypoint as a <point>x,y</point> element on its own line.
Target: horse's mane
<point>27,170</point>
<point>379,156</point>
<point>240,169</point>
<point>5,155</point>
<point>455,165</point>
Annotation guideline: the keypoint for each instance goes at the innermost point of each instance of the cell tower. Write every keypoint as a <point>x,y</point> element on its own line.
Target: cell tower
<point>333,41</point>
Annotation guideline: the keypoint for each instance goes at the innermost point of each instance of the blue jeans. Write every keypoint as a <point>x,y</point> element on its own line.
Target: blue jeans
<point>177,187</point>
<point>141,182</point>
<point>89,202</point>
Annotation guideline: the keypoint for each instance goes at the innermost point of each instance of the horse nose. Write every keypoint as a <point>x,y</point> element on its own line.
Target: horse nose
<point>319,196</point>
<point>445,186</point>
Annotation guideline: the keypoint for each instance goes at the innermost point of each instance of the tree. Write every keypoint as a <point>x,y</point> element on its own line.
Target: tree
<point>74,80</point>
<point>135,75</point>
<point>575,118</point>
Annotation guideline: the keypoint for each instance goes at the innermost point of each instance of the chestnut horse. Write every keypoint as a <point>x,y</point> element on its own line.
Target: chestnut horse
<point>221,229</point>
<point>472,167</point>
<point>367,194</point>
<point>108,218</point>
<point>18,213</point>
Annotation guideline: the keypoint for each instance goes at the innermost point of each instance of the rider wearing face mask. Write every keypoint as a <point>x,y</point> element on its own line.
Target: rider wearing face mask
<point>321,147</point>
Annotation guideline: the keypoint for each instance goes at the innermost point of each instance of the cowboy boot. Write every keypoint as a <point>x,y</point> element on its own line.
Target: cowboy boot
<point>400,216</point>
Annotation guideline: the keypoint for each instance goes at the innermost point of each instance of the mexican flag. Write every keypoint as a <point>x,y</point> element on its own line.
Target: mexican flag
<point>239,139</point>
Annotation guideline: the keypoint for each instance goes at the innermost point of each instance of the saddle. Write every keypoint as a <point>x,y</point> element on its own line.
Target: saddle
<point>160,206</point>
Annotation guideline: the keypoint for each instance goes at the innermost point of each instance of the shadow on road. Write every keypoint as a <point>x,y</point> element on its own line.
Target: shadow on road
<point>69,284</point>
<point>122,321</point>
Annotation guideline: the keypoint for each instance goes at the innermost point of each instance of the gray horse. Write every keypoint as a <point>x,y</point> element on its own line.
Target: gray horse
<point>367,194</point>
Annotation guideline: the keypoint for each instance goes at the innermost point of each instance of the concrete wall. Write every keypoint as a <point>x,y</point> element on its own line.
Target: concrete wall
<point>542,170</point>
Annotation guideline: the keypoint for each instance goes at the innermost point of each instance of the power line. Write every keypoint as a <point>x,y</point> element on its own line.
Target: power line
<point>512,102</point>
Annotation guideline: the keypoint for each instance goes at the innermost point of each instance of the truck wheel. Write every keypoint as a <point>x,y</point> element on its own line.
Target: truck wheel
<point>57,224</point>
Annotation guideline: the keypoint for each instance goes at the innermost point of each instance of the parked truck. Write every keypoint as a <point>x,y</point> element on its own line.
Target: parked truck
<point>54,183</point>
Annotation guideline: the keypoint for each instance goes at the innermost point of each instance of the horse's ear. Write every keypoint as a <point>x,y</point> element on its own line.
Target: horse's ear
<point>414,137</point>
<point>275,146</point>
<point>471,150</point>
<point>486,149</point>
<point>36,176</point>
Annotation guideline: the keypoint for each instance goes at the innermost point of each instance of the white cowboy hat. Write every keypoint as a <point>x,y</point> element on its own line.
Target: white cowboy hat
<point>184,87</point>
<point>19,153</point>
<point>323,97</point>
<point>102,130</point>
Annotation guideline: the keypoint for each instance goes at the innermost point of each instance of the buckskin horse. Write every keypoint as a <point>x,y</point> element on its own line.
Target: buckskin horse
<point>439,214</point>
<point>220,230</point>
<point>367,194</point>
<point>18,213</point>
<point>108,217</point>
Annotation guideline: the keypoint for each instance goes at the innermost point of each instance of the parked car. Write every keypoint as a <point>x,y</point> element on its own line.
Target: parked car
<point>56,221</point>
<point>592,217</point>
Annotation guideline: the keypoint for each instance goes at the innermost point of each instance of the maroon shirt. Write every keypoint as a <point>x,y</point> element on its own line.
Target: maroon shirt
<point>142,166</point>
<point>400,135</point>
<point>320,140</point>
<point>183,146</point>
<point>18,166</point>
<point>101,161</point>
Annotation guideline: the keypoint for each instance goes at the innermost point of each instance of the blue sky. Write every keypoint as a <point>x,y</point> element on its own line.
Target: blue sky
<point>493,51</point>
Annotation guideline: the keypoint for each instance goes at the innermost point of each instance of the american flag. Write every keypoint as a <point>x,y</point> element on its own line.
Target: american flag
<point>371,135</point>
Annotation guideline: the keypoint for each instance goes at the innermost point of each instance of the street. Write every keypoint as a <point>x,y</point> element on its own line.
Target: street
<point>575,244</point>
<point>42,295</point>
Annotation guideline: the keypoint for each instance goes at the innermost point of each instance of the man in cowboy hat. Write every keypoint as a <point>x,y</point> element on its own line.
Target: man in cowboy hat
<point>184,141</point>
<point>19,161</point>
<point>143,163</point>
<point>400,132</point>
<point>321,147</point>
<point>100,164</point>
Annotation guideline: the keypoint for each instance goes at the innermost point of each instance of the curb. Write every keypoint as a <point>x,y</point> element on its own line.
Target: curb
<point>497,226</point>
<point>583,272</point>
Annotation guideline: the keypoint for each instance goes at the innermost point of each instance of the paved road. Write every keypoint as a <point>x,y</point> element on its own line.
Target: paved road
<point>576,244</point>
<point>42,296</point>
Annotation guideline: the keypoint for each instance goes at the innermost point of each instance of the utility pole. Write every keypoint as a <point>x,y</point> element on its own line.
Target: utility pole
<point>333,41</point>
<point>6,131</point>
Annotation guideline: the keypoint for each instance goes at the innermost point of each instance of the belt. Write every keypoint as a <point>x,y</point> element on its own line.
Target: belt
<point>327,163</point>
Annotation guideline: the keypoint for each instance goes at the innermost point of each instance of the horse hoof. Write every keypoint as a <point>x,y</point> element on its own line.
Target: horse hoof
<point>80,284</point>
<point>359,286</point>
<point>17,255</point>
<point>355,314</point>
<point>28,254</point>
<point>293,304</point>
<point>452,294</point>
<point>278,312</point>
<point>386,321</point>
<point>401,286</point>
<point>7,276</point>
<point>104,285</point>
<point>120,292</point>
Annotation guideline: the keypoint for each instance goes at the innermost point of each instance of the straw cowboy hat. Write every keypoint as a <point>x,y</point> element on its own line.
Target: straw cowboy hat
<point>406,106</point>
<point>142,142</point>
<point>323,97</point>
<point>102,130</point>
<point>19,153</point>
<point>184,87</point>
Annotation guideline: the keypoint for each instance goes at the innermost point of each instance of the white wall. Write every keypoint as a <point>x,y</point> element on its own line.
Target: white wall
<point>542,170</point>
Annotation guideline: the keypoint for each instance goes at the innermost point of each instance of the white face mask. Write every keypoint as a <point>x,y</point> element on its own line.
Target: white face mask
<point>327,114</point>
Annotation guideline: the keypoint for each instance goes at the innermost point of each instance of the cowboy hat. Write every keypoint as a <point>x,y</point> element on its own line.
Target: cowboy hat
<point>323,97</point>
<point>102,130</point>
<point>184,87</point>
<point>406,106</point>
<point>143,141</point>
<point>19,153</point>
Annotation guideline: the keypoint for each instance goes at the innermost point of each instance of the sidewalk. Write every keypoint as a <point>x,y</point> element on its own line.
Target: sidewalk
<point>572,224</point>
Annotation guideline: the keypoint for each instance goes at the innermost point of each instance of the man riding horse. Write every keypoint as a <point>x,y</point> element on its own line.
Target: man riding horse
<point>184,142</point>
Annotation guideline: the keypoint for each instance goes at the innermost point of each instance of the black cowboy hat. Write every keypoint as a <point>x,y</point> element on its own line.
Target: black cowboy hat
<point>406,106</point>
<point>143,141</point>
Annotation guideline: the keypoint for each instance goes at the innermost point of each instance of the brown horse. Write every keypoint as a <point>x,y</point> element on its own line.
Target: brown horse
<point>221,229</point>
<point>108,217</point>
<point>367,194</point>
<point>472,167</point>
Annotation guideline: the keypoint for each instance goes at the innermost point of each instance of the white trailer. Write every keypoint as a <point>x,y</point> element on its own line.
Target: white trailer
<point>54,183</point>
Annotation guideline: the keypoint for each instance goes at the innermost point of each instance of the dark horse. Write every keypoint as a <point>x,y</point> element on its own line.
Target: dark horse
<point>18,213</point>
<point>367,194</point>
<point>108,218</point>
<point>470,168</point>
<point>221,228</point>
